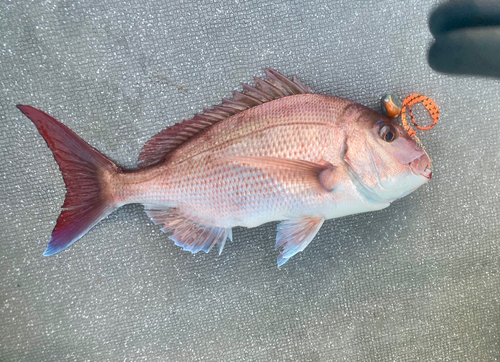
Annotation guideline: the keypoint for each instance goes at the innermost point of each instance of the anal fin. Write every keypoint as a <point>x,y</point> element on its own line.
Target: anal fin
<point>188,234</point>
<point>294,235</point>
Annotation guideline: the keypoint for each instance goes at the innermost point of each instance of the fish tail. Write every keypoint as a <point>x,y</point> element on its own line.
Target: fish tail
<point>86,173</point>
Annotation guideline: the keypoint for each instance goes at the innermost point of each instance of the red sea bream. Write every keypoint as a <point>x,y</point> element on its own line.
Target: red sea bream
<point>275,152</point>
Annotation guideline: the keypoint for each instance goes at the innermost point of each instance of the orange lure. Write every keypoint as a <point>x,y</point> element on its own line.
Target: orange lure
<point>393,107</point>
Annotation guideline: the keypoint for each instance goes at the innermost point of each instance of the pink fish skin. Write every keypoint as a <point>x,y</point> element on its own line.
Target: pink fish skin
<point>274,152</point>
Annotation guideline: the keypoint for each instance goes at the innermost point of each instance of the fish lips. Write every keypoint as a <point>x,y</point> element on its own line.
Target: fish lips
<point>422,166</point>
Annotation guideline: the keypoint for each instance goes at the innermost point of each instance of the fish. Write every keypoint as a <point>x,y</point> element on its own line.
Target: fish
<point>276,151</point>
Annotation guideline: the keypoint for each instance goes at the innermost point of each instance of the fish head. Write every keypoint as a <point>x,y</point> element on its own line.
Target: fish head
<point>385,159</point>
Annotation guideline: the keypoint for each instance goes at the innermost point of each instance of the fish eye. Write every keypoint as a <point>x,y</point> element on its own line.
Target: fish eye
<point>388,133</point>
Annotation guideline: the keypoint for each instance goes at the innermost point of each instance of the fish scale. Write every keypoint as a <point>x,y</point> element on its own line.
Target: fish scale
<point>305,127</point>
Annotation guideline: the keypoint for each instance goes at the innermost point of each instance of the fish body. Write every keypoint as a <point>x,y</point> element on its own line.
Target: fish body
<point>274,152</point>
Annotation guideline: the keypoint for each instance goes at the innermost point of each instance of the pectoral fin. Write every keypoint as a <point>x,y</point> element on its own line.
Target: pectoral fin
<point>308,173</point>
<point>294,235</point>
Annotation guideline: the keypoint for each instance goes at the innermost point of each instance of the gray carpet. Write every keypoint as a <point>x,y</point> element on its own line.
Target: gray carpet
<point>419,281</point>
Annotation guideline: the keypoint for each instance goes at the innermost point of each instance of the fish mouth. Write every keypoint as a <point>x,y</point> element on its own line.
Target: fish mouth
<point>422,166</point>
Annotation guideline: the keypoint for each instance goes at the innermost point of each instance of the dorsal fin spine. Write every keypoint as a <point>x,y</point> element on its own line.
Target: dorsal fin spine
<point>283,82</point>
<point>268,88</point>
<point>274,80</point>
<point>257,94</point>
<point>241,98</point>
<point>233,104</point>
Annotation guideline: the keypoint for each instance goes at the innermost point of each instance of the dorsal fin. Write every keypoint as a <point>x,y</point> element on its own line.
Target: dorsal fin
<point>273,87</point>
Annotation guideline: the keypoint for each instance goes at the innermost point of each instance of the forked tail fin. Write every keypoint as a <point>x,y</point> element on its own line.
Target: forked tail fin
<point>84,170</point>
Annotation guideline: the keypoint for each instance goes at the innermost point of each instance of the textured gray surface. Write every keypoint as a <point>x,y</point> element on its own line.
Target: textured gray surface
<point>418,281</point>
